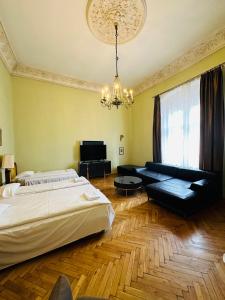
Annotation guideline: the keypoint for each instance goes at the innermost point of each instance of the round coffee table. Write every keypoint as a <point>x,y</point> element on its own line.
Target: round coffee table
<point>128,183</point>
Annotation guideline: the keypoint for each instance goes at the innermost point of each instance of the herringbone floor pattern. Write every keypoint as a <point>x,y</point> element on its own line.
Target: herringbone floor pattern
<point>149,254</point>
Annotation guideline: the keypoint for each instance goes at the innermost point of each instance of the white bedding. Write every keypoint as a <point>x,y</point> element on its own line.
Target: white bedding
<point>42,218</point>
<point>46,177</point>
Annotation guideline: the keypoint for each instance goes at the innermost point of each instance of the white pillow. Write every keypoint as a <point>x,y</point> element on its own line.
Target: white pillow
<point>9,190</point>
<point>25,174</point>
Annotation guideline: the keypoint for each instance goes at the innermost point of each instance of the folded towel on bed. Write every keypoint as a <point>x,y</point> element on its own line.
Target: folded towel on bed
<point>92,195</point>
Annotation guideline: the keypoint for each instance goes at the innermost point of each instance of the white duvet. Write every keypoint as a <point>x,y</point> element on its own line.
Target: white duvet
<point>44,217</point>
<point>35,203</point>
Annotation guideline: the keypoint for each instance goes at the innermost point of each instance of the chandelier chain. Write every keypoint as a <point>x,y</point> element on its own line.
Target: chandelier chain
<point>116,46</point>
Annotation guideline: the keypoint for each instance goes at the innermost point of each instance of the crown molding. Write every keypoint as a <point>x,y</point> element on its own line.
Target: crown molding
<point>21,70</point>
<point>17,69</point>
<point>6,52</point>
<point>215,42</point>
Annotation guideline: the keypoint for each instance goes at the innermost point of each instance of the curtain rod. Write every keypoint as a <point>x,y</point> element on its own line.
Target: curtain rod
<point>172,88</point>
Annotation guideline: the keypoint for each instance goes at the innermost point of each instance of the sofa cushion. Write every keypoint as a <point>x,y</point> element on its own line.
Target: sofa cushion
<point>179,182</point>
<point>176,191</point>
<point>161,168</point>
<point>151,176</point>
<point>182,201</point>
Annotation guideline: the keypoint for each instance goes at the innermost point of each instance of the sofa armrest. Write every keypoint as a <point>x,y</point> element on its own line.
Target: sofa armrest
<point>200,185</point>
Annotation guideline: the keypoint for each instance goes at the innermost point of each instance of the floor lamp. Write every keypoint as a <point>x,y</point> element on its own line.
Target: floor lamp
<point>7,164</point>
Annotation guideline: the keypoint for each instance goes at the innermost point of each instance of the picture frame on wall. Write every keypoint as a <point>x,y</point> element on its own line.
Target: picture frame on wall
<point>121,150</point>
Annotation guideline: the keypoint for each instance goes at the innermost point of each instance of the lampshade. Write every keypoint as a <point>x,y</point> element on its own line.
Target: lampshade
<point>8,161</point>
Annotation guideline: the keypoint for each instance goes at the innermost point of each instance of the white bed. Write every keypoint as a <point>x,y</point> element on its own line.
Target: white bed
<point>31,178</point>
<point>44,217</point>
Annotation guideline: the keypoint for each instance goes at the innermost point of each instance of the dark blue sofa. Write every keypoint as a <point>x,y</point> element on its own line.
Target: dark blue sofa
<point>182,190</point>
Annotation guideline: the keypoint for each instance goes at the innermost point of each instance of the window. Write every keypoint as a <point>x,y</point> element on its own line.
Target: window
<point>180,125</point>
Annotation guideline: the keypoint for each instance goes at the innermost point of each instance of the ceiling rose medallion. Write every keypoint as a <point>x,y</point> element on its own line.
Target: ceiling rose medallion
<point>128,14</point>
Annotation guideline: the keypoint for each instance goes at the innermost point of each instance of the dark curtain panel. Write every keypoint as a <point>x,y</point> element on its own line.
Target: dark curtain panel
<point>212,121</point>
<point>157,156</point>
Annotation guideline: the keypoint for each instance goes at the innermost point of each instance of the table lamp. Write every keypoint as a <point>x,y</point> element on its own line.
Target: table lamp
<point>7,164</point>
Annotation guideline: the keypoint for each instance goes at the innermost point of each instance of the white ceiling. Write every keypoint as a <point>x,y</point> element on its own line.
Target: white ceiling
<point>53,35</point>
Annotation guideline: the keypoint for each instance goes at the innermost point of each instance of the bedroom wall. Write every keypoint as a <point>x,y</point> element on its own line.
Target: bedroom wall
<point>142,111</point>
<point>6,114</point>
<point>51,120</point>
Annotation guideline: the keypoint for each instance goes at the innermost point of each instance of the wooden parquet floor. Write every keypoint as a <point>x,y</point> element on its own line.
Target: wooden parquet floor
<point>149,254</point>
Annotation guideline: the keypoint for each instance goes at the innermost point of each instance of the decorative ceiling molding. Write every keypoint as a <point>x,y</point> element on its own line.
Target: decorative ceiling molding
<point>194,55</point>
<point>215,42</point>
<point>25,71</point>
<point>102,15</point>
<point>18,69</point>
<point>6,52</point>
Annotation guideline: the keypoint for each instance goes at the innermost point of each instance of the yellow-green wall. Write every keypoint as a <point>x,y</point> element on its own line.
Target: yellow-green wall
<point>6,113</point>
<point>142,112</point>
<point>51,120</point>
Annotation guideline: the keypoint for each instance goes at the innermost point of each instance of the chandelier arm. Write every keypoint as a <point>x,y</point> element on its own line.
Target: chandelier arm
<point>116,46</point>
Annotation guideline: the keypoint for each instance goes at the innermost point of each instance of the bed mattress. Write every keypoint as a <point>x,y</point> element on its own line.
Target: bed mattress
<point>42,218</point>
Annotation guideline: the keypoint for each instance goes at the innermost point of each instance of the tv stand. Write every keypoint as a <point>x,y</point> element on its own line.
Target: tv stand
<point>94,168</point>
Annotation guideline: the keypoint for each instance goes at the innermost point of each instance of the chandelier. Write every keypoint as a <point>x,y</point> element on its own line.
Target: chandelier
<point>116,95</point>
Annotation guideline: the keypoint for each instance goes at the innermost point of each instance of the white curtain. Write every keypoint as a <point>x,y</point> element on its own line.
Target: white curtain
<point>180,125</point>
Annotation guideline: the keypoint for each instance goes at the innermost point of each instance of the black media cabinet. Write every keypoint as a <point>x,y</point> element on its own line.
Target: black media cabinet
<point>96,168</point>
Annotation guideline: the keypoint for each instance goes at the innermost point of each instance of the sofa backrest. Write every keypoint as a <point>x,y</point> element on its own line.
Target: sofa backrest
<point>194,175</point>
<point>182,173</point>
<point>161,168</point>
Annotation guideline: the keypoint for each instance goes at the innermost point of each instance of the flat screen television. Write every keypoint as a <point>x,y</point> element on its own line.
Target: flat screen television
<point>92,152</point>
